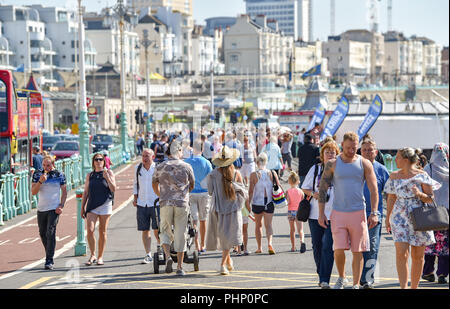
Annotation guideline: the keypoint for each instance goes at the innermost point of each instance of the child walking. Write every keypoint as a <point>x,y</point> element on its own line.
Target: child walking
<point>294,197</point>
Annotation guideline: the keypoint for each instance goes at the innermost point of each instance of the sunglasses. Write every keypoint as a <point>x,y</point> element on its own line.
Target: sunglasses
<point>98,159</point>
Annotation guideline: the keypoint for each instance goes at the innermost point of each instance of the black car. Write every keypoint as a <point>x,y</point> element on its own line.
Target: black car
<point>102,142</point>
<point>48,141</point>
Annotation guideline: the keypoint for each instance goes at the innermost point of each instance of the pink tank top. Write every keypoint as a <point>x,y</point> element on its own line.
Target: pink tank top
<point>295,196</point>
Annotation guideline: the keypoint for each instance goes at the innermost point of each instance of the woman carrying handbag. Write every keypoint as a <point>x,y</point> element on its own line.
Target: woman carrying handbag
<point>407,189</point>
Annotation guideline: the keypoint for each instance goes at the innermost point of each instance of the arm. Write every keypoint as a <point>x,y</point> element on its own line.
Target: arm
<point>135,191</point>
<point>155,186</point>
<point>111,179</point>
<point>37,185</point>
<point>391,198</point>
<point>371,181</point>
<point>85,196</point>
<point>325,183</point>
<point>63,199</point>
<point>253,180</point>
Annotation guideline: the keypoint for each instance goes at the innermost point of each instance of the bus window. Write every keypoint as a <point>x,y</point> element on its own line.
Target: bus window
<point>5,155</point>
<point>3,108</point>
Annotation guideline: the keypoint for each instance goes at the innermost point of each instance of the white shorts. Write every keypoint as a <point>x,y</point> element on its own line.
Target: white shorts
<point>200,204</point>
<point>105,209</point>
<point>247,169</point>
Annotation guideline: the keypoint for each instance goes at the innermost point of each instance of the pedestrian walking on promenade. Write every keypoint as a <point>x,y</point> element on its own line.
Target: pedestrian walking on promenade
<point>161,149</point>
<point>199,199</point>
<point>274,158</point>
<point>228,197</point>
<point>147,213</point>
<point>187,149</point>
<point>172,181</point>
<point>321,238</point>
<point>208,149</point>
<point>308,155</point>
<point>96,205</point>
<point>369,151</point>
<point>37,158</point>
<point>438,170</point>
<point>294,196</point>
<point>51,186</point>
<point>260,197</point>
<point>408,188</point>
<point>248,163</point>
<point>286,150</point>
<point>349,225</point>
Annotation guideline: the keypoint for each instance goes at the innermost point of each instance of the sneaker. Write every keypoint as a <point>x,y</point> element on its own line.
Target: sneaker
<point>148,259</point>
<point>429,277</point>
<point>180,272</point>
<point>246,252</point>
<point>169,266</point>
<point>223,270</point>
<point>442,280</point>
<point>324,285</point>
<point>340,283</point>
<point>367,286</point>
<point>49,266</point>
<point>303,248</point>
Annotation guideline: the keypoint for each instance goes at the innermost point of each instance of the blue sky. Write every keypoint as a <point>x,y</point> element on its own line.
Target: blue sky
<point>428,18</point>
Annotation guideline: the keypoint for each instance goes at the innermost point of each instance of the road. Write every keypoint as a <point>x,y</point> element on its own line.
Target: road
<point>21,257</point>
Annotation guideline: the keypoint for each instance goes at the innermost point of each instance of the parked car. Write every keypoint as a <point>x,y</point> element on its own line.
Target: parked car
<point>65,149</point>
<point>102,142</point>
<point>48,141</point>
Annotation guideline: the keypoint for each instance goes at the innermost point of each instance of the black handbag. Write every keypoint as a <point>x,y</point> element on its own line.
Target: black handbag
<point>430,218</point>
<point>304,207</point>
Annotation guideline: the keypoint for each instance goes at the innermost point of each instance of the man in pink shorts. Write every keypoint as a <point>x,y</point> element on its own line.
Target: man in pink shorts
<point>347,173</point>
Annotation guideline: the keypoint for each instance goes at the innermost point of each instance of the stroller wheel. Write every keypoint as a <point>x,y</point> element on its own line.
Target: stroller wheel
<point>155,263</point>
<point>196,260</point>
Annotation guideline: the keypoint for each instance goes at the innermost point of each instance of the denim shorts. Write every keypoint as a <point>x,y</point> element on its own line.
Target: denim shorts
<point>146,216</point>
<point>268,209</point>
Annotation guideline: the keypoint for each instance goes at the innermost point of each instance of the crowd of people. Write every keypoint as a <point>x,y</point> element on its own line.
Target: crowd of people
<point>222,180</point>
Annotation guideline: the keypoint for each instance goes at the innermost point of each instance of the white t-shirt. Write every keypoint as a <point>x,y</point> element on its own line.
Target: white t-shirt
<point>146,195</point>
<point>307,184</point>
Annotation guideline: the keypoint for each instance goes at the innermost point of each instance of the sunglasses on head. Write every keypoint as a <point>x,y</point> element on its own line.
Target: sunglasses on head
<point>98,159</point>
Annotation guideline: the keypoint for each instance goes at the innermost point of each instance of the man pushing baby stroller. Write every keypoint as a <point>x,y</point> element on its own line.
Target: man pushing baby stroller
<point>172,181</point>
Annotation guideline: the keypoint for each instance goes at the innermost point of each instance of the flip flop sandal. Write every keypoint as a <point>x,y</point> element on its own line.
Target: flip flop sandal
<point>91,261</point>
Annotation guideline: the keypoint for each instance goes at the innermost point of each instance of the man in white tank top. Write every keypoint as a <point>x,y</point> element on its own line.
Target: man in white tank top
<point>348,218</point>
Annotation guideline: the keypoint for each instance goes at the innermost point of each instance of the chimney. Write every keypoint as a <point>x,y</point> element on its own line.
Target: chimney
<point>272,23</point>
<point>261,20</point>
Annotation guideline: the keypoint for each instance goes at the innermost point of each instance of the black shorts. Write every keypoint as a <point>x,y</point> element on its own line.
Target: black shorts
<point>268,209</point>
<point>146,216</point>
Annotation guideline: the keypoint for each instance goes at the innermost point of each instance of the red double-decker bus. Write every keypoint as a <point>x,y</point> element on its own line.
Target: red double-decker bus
<point>20,127</point>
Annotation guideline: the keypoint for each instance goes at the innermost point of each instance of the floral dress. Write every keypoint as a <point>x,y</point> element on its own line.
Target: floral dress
<point>400,220</point>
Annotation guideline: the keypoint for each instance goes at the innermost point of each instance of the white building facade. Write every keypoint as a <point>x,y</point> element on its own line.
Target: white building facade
<point>294,17</point>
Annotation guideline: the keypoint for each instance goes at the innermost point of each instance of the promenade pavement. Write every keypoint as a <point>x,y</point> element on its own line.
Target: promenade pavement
<point>22,263</point>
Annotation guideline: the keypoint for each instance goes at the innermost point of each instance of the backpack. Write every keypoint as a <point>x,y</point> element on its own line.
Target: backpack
<point>162,146</point>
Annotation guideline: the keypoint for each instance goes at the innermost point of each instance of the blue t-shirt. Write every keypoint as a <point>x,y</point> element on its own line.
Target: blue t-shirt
<point>202,168</point>
<point>37,161</point>
<point>382,175</point>
<point>50,192</point>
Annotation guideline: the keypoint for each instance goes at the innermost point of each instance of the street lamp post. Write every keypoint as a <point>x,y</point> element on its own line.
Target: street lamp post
<point>146,42</point>
<point>121,12</point>
<point>83,121</point>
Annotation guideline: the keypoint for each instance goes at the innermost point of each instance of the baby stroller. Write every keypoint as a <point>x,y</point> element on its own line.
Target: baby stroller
<point>190,255</point>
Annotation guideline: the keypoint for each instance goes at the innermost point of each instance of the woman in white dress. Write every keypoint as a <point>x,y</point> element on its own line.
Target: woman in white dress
<point>408,188</point>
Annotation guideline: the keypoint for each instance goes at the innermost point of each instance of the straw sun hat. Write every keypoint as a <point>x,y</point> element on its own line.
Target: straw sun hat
<point>225,157</point>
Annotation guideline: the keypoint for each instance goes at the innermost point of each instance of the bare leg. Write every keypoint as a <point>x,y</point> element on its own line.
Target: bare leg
<point>102,231</point>
<point>268,225</point>
<point>292,234</point>
<point>418,259</point>
<point>202,234</point>
<point>245,235</point>
<point>402,255</point>
<point>258,231</point>
<point>91,220</point>
<point>147,241</point>
<point>357,267</point>
<point>339,259</point>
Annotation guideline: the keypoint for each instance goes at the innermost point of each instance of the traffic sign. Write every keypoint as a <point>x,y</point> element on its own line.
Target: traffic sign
<point>88,101</point>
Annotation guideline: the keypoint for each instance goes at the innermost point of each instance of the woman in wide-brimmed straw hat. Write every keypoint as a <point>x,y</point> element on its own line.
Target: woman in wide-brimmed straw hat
<point>228,197</point>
